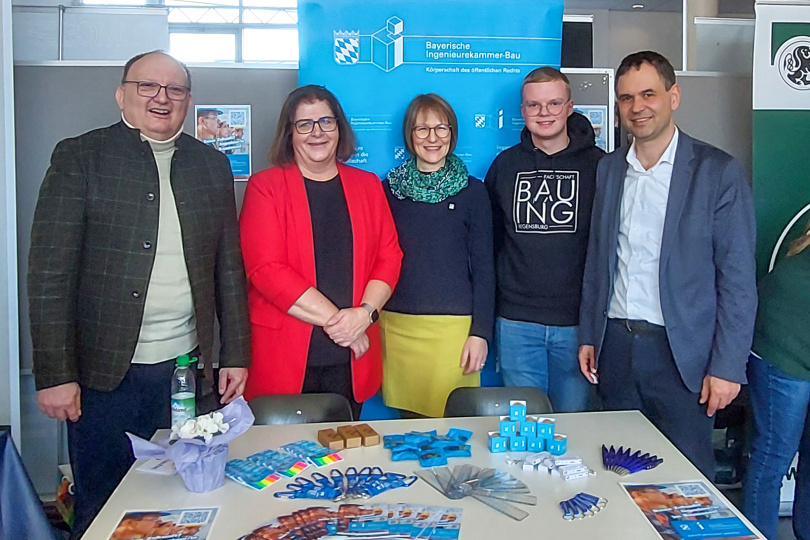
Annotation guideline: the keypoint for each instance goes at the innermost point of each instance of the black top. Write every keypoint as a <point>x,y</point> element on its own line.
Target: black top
<point>332,238</point>
<point>447,267</point>
<point>541,211</point>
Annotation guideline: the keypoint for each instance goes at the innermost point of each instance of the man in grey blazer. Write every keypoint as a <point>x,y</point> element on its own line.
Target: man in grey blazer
<point>669,293</point>
<point>134,250</point>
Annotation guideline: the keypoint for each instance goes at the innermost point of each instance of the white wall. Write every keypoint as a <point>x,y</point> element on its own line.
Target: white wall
<point>9,336</point>
<point>632,31</point>
<point>89,33</point>
<point>619,33</point>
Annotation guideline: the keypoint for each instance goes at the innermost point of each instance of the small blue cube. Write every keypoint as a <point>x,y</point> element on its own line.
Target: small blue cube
<point>497,442</point>
<point>508,426</point>
<point>528,428</point>
<point>545,427</point>
<point>394,25</point>
<point>517,410</point>
<point>535,444</point>
<point>517,444</point>
<point>558,445</point>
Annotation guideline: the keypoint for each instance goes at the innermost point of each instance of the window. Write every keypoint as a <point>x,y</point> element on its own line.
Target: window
<point>227,30</point>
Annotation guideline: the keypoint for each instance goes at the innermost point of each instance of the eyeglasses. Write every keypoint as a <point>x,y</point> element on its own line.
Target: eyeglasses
<point>423,132</point>
<point>532,108</point>
<point>150,89</point>
<point>326,123</point>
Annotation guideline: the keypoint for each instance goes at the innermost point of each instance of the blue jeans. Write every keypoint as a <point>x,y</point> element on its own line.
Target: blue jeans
<point>780,404</point>
<point>531,354</point>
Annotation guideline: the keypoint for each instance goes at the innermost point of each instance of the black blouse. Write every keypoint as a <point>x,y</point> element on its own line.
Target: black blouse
<point>332,238</point>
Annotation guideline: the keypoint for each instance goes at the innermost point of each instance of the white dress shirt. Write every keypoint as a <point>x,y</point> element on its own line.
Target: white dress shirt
<point>641,226</point>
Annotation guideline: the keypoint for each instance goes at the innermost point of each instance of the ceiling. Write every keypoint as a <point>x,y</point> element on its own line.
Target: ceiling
<point>735,7</point>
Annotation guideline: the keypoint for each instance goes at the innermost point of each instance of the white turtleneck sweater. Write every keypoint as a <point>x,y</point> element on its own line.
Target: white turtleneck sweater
<point>169,327</point>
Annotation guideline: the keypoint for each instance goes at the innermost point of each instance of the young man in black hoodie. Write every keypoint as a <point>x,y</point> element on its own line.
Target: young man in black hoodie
<point>542,191</point>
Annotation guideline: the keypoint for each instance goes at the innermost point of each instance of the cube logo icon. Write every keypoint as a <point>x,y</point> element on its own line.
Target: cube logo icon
<point>347,47</point>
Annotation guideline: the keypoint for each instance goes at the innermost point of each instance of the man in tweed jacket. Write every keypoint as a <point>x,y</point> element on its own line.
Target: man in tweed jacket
<point>134,249</point>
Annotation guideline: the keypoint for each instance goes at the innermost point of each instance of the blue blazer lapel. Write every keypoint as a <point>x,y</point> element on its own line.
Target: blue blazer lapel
<point>678,189</point>
<point>614,193</point>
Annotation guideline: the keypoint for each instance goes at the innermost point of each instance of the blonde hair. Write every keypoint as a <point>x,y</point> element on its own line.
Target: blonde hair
<point>546,74</point>
<point>798,245</point>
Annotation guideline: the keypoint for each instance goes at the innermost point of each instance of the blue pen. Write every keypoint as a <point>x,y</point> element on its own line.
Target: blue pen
<point>598,501</point>
<point>566,508</point>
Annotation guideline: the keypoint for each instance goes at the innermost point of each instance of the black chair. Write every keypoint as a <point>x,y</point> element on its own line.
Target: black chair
<point>494,401</point>
<point>300,409</point>
<point>24,518</point>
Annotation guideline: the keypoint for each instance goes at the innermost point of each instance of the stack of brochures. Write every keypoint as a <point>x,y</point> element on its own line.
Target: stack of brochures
<point>359,521</point>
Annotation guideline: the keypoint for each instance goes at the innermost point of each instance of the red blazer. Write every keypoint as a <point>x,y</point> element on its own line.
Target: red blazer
<point>276,231</point>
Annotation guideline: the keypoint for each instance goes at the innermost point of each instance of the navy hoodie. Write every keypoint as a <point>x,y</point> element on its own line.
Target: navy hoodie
<point>541,212</point>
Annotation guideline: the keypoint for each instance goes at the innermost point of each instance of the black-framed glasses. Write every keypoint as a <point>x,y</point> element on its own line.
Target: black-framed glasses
<point>423,132</point>
<point>305,126</point>
<point>151,89</point>
<point>555,107</point>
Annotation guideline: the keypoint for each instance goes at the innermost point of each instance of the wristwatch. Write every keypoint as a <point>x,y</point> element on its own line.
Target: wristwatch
<point>373,314</point>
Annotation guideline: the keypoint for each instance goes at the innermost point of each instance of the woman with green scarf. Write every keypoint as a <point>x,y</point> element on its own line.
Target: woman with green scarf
<point>437,326</point>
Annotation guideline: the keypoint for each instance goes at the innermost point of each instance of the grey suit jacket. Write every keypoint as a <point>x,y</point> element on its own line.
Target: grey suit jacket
<point>92,250</point>
<point>707,270</point>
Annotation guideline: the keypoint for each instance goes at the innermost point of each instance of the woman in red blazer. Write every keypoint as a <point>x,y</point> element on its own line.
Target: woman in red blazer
<point>321,255</point>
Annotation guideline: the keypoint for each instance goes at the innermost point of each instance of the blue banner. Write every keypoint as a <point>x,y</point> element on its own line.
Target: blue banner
<point>376,56</point>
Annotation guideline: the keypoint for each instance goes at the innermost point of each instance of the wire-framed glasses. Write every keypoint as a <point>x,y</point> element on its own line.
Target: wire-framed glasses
<point>305,126</point>
<point>533,108</point>
<point>423,132</point>
<point>151,89</point>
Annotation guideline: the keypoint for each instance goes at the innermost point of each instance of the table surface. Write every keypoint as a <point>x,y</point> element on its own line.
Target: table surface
<point>243,509</point>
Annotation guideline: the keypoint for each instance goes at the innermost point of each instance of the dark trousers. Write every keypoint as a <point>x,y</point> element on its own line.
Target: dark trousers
<point>100,452</point>
<point>335,379</point>
<point>637,371</point>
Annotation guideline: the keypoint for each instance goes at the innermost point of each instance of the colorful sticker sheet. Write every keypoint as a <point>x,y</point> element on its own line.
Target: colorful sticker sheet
<point>312,452</point>
<point>361,521</point>
<point>264,468</point>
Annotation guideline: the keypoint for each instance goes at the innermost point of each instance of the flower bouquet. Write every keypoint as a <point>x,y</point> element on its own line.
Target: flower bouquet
<point>199,447</point>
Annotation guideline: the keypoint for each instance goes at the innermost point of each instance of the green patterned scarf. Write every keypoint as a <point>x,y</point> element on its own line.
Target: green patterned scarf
<point>406,181</point>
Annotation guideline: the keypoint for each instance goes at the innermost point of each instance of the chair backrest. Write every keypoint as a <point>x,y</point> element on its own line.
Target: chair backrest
<point>300,409</point>
<point>24,519</point>
<point>494,401</point>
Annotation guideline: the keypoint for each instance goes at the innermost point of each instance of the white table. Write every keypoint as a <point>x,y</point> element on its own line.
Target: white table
<point>243,509</point>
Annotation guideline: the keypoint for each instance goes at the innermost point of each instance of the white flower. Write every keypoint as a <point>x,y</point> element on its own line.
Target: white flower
<point>204,426</point>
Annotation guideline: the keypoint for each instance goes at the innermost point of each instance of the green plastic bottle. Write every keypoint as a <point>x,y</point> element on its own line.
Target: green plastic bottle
<point>184,388</point>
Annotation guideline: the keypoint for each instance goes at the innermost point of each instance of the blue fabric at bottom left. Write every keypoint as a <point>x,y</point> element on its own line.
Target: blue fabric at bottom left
<point>22,519</point>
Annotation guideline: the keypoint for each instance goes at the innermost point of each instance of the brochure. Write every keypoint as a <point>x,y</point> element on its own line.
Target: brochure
<point>187,523</point>
<point>358,521</point>
<point>689,511</point>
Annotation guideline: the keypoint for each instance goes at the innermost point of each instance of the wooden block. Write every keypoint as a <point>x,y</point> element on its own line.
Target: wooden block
<point>350,436</point>
<point>369,436</point>
<point>330,439</point>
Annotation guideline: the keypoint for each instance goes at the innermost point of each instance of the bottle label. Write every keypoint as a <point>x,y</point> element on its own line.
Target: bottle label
<point>183,407</point>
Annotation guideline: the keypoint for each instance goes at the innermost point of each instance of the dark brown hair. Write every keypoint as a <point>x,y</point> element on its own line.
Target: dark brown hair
<point>137,57</point>
<point>281,150</point>
<point>665,70</point>
<point>546,74</point>
<point>429,102</point>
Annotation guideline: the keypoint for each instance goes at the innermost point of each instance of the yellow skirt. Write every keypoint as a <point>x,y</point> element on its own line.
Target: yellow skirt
<point>421,360</point>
